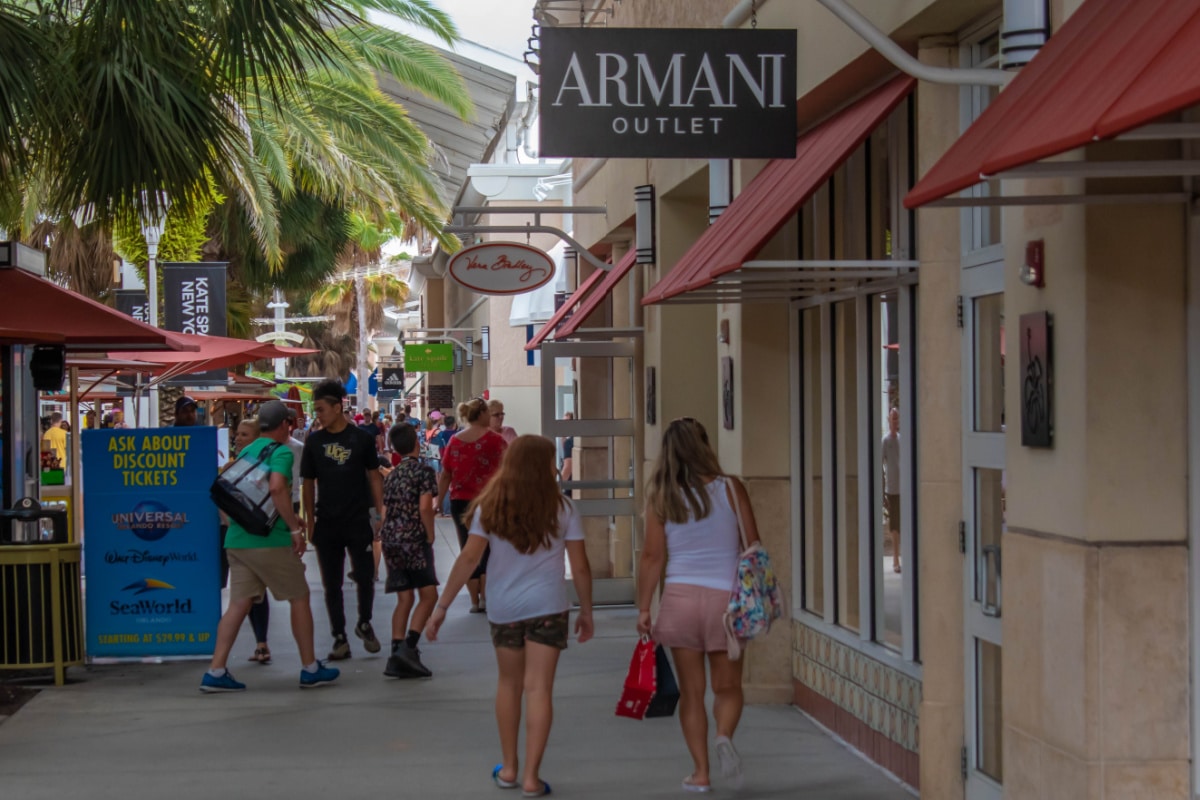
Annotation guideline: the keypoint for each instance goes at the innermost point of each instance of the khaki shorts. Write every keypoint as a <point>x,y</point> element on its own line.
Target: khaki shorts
<point>550,630</point>
<point>253,570</point>
<point>893,512</point>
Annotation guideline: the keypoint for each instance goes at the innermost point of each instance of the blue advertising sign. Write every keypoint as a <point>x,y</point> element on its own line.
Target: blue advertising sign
<point>151,545</point>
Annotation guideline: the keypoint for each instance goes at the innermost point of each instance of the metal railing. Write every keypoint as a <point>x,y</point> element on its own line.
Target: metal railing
<point>41,608</point>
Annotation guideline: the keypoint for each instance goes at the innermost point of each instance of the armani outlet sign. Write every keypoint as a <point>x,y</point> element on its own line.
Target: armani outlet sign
<point>668,93</point>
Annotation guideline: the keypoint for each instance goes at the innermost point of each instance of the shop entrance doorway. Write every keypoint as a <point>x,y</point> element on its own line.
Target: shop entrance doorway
<point>982,528</point>
<point>605,473</point>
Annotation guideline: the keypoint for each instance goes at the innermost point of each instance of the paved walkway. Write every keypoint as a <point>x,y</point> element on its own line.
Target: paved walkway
<point>144,730</point>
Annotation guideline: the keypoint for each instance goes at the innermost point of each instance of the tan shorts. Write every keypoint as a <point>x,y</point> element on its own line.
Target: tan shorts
<point>253,570</point>
<point>893,512</point>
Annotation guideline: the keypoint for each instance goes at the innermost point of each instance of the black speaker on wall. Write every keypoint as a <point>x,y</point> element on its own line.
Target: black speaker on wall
<point>48,367</point>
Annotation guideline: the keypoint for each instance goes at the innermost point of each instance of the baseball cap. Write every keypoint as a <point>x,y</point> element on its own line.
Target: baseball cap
<point>272,414</point>
<point>183,403</point>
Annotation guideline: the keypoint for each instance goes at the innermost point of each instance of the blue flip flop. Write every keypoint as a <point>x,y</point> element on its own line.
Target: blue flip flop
<point>503,784</point>
<point>545,791</point>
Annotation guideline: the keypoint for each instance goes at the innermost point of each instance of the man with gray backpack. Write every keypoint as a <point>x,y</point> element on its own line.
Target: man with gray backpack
<point>264,554</point>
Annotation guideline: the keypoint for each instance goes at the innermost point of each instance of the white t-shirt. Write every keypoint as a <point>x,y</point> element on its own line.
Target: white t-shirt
<point>704,552</point>
<point>297,449</point>
<point>521,586</point>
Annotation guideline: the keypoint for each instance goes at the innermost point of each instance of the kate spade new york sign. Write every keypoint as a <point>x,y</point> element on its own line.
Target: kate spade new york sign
<point>668,93</point>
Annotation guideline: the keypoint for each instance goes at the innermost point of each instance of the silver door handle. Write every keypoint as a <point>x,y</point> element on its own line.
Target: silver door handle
<point>990,609</point>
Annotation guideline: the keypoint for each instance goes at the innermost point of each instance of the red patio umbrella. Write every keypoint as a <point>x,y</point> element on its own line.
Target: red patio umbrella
<point>38,311</point>
<point>213,352</point>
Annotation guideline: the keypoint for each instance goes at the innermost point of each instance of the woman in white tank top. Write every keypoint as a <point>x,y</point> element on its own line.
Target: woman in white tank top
<point>692,527</point>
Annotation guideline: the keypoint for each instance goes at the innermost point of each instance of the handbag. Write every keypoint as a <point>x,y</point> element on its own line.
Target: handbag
<point>756,600</point>
<point>666,688</point>
<point>243,491</point>
<point>640,681</point>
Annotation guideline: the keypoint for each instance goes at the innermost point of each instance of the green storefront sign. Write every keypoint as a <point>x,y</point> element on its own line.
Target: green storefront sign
<point>429,358</point>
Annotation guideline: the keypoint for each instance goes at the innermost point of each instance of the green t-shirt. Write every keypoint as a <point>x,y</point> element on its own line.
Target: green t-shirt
<point>280,461</point>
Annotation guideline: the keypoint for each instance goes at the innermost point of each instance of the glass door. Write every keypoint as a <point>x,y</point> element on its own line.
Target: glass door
<point>604,482</point>
<point>984,520</point>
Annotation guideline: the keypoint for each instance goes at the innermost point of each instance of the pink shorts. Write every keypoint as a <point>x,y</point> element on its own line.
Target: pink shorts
<point>691,617</point>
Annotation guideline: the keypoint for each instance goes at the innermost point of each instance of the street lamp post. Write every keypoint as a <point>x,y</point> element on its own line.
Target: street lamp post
<point>154,220</point>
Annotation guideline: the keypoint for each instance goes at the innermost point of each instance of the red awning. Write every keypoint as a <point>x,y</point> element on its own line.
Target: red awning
<point>45,312</point>
<point>561,314</point>
<point>1114,65</point>
<point>611,279</point>
<point>777,193</point>
<point>214,352</point>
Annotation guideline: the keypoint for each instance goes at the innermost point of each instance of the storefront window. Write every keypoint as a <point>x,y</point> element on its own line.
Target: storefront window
<point>984,225</point>
<point>812,528</point>
<point>886,400</point>
<point>847,430</point>
<point>858,356</point>
<point>989,363</point>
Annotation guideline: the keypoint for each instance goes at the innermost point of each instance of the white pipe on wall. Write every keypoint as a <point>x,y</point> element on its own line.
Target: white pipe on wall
<point>905,62</point>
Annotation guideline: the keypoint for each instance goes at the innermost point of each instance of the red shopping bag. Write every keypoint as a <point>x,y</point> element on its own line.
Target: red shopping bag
<point>639,682</point>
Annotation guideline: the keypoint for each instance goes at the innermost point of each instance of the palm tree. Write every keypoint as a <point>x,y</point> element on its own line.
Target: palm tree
<point>360,291</point>
<point>348,144</point>
<point>108,103</point>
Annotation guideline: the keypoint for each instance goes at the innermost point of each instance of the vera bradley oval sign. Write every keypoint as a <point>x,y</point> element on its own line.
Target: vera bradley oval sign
<point>501,268</point>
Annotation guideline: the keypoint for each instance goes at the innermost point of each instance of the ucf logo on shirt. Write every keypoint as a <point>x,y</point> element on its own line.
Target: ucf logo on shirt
<point>335,452</point>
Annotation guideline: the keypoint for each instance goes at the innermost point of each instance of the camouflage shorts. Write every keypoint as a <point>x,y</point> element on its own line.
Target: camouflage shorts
<point>550,630</point>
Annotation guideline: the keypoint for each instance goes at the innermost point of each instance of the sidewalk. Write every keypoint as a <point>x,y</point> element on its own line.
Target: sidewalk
<point>145,729</point>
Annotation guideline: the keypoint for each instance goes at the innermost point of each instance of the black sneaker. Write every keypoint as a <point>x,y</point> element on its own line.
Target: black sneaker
<point>364,631</point>
<point>410,661</point>
<point>341,648</point>
<point>394,667</point>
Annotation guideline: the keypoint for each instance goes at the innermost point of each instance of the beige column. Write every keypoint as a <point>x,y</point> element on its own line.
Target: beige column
<point>1095,661</point>
<point>627,404</point>
<point>758,449</point>
<point>939,449</point>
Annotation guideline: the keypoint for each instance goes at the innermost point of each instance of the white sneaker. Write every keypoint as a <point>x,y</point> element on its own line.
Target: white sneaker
<point>730,761</point>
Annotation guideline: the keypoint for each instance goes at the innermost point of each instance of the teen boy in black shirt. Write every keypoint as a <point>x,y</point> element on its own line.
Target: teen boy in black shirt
<point>341,459</point>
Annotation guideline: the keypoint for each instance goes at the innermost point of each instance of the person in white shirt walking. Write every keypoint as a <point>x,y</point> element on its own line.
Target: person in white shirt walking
<point>529,524</point>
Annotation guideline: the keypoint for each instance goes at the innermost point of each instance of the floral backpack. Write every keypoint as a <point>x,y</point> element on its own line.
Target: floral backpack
<point>756,601</point>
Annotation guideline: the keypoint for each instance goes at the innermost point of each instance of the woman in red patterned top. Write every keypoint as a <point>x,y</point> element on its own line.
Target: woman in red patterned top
<point>468,462</point>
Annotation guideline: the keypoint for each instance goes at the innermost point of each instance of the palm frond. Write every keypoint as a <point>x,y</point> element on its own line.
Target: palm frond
<point>331,295</point>
<point>414,64</point>
<point>422,13</point>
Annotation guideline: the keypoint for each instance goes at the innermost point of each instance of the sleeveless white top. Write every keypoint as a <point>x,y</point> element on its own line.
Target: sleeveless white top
<point>705,552</point>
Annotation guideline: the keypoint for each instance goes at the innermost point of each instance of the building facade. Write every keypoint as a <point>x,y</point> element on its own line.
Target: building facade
<point>966,411</point>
